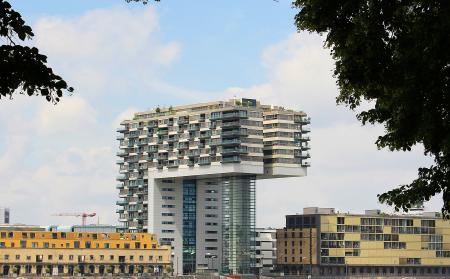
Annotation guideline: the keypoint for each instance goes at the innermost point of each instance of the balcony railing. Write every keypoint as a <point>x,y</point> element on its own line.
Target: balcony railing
<point>304,138</point>
<point>204,161</point>
<point>241,150</point>
<point>230,142</point>
<point>121,202</point>
<point>121,153</point>
<point>173,164</point>
<point>232,159</point>
<point>121,129</point>
<point>302,154</point>
<point>235,133</point>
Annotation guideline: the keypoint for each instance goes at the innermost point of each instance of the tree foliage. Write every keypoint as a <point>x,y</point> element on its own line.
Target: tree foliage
<point>22,68</point>
<point>396,54</point>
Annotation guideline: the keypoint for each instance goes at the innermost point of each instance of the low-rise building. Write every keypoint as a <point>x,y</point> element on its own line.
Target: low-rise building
<point>265,250</point>
<point>326,242</point>
<point>67,253</point>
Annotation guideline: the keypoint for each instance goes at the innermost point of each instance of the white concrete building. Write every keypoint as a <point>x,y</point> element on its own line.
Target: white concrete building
<point>265,250</point>
<point>188,174</point>
<point>4,215</point>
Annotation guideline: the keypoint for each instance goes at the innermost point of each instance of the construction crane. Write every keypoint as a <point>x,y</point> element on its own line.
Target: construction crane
<point>82,215</point>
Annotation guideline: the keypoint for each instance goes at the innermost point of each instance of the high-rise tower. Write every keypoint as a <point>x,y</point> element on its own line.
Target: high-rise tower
<point>188,174</point>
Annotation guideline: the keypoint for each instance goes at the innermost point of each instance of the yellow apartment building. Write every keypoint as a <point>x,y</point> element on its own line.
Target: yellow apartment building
<point>325,242</point>
<point>68,253</point>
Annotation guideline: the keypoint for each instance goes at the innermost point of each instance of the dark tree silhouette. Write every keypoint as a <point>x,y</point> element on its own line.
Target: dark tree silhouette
<point>23,69</point>
<point>396,54</point>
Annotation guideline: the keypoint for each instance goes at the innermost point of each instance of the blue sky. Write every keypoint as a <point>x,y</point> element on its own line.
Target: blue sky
<point>238,30</point>
<point>122,58</point>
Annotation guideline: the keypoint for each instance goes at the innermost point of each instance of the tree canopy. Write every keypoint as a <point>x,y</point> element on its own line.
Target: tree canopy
<point>23,69</point>
<point>394,53</point>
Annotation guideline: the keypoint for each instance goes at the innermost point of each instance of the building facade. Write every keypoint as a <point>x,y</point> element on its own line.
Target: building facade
<point>4,215</point>
<point>265,250</point>
<point>324,242</point>
<point>61,253</point>
<point>188,174</point>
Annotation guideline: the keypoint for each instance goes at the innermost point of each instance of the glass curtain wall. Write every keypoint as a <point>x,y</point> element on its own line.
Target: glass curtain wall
<point>189,225</point>
<point>238,201</point>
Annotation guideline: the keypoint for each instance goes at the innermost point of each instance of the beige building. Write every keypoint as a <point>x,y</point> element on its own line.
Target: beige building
<point>68,253</point>
<point>330,243</point>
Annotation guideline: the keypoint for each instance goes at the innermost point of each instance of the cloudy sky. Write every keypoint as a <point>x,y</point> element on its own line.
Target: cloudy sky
<point>123,58</point>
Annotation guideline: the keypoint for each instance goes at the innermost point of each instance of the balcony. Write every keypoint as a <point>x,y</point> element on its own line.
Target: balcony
<point>193,153</point>
<point>232,159</point>
<point>162,132</point>
<point>182,120</point>
<point>306,164</point>
<point>121,177</point>
<point>304,138</point>
<point>305,146</point>
<point>119,186</point>
<point>205,135</point>
<point>120,137</point>
<point>152,124</point>
<point>305,120</point>
<point>236,150</point>
<point>121,129</point>
<point>172,139</point>
<point>173,164</point>
<point>204,161</point>
<point>229,115</point>
<point>301,154</point>
<point>234,133</point>
<point>306,129</point>
<point>230,142</point>
<point>193,127</point>
<point>231,124</point>
<point>142,142</point>
<point>121,153</point>
<point>121,202</point>
<point>183,146</point>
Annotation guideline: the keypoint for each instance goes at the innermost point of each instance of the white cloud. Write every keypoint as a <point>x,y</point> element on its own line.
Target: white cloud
<point>58,158</point>
<point>69,116</point>
<point>347,170</point>
<point>299,75</point>
<point>106,51</point>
